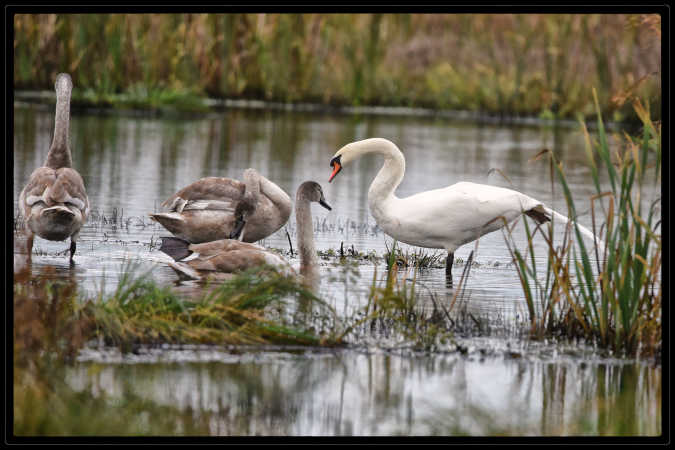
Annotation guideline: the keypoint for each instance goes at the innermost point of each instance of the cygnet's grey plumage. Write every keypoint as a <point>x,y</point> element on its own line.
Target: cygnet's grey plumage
<point>54,202</point>
<point>225,256</point>
<point>214,208</point>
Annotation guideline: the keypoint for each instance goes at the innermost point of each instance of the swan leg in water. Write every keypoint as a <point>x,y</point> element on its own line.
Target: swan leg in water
<point>448,268</point>
<point>73,246</point>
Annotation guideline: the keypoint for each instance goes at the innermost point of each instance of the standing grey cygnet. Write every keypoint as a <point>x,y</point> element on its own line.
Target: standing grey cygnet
<point>54,202</point>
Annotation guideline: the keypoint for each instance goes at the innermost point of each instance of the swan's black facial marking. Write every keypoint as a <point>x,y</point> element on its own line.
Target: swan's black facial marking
<point>337,167</point>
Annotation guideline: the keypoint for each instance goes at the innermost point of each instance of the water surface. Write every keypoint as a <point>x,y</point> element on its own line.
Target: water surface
<point>131,164</point>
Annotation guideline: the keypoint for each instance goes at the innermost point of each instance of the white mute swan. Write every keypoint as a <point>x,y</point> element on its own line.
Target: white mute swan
<point>54,202</point>
<point>224,256</point>
<point>214,208</point>
<point>441,218</point>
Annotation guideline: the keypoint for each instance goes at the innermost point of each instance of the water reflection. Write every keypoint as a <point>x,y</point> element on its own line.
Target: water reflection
<point>345,393</point>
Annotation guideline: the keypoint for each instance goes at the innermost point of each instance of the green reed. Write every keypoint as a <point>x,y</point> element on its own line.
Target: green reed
<point>610,293</point>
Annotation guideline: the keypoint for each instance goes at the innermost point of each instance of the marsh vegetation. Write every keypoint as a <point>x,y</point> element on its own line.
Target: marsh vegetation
<point>506,64</point>
<point>542,332</point>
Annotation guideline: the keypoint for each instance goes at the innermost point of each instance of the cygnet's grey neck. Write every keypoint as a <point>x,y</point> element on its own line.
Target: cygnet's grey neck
<point>305,230</point>
<point>59,153</point>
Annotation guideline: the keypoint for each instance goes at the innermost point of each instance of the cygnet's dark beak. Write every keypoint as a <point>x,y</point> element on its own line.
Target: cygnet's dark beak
<point>238,226</point>
<point>323,203</point>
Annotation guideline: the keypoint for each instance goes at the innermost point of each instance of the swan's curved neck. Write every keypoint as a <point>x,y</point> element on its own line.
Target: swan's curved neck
<point>305,237</point>
<point>252,182</point>
<point>59,152</point>
<point>390,175</point>
<point>276,195</point>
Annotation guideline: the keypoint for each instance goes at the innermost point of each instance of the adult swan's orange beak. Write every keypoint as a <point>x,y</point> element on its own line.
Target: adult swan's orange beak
<point>337,167</point>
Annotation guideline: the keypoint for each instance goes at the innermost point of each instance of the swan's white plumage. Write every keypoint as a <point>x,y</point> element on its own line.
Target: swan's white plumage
<point>450,217</point>
<point>441,218</point>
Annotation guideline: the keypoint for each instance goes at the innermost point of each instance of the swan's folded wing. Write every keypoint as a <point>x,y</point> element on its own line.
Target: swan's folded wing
<point>231,261</point>
<point>463,206</point>
<point>209,188</point>
<point>485,203</point>
<point>53,187</point>
<point>39,180</point>
<point>69,188</point>
<point>221,205</point>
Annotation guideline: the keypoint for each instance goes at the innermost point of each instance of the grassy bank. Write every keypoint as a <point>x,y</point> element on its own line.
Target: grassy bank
<point>139,312</point>
<point>538,64</point>
<point>52,323</point>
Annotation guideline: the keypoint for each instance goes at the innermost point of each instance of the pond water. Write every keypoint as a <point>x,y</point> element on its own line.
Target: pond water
<point>524,391</point>
<point>131,164</point>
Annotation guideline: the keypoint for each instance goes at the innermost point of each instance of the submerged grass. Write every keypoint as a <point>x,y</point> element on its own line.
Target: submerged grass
<point>395,316</point>
<point>612,293</point>
<point>140,312</point>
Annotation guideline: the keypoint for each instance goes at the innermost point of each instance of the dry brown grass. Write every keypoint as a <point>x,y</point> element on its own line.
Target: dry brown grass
<point>503,63</point>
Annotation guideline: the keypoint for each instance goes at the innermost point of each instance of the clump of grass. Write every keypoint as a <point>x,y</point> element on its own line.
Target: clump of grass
<point>234,312</point>
<point>50,316</point>
<point>617,302</point>
<point>394,312</point>
<point>347,253</point>
<point>419,258</point>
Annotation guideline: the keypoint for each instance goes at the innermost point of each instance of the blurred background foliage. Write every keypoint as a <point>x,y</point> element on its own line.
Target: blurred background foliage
<point>512,64</point>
